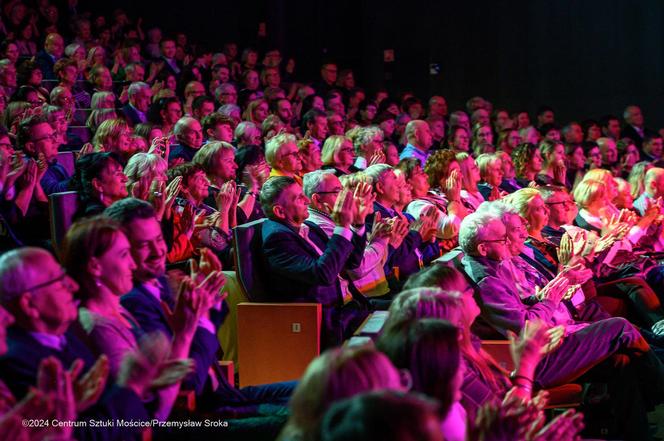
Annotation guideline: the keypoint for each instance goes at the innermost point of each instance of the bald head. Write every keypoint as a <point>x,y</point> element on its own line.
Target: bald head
<point>54,45</point>
<point>633,116</point>
<point>418,134</point>
<point>654,182</point>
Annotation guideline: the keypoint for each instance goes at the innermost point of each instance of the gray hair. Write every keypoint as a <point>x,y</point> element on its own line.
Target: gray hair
<point>182,125</point>
<point>498,209</point>
<point>244,130</point>
<point>376,172</point>
<point>136,88</point>
<point>222,88</point>
<point>17,269</point>
<point>71,49</point>
<point>470,229</point>
<point>271,191</point>
<point>229,109</point>
<point>312,181</point>
<point>366,135</point>
<point>144,165</point>
<point>274,144</point>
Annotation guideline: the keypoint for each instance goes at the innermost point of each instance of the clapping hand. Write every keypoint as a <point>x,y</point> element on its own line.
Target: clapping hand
<point>363,198</point>
<point>554,290</point>
<point>342,213</point>
<point>427,224</point>
<point>380,229</point>
<point>377,158</point>
<point>452,186</point>
<point>527,348</point>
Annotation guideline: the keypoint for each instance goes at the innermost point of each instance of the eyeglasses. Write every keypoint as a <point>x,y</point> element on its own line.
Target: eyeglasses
<point>53,136</point>
<point>503,240</point>
<point>60,278</point>
<point>335,191</point>
<point>560,202</point>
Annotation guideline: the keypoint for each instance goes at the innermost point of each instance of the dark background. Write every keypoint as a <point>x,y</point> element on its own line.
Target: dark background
<point>583,58</point>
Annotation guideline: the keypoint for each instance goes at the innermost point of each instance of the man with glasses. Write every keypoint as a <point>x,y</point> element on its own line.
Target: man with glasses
<point>226,94</point>
<point>575,347</point>
<point>40,296</point>
<point>301,267</point>
<point>39,141</point>
<point>562,211</point>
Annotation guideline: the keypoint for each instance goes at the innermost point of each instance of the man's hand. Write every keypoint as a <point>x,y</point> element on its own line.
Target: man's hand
<point>342,213</point>
<point>427,224</point>
<point>363,199</point>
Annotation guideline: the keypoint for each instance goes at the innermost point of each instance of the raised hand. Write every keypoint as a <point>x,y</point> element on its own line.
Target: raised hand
<point>226,196</point>
<point>427,224</point>
<point>560,172</point>
<point>342,213</point>
<point>380,229</point>
<point>377,158</point>
<point>208,264</point>
<point>398,232</point>
<point>363,198</point>
<point>158,146</point>
<point>527,348</point>
<point>188,220</point>
<point>90,386</point>
<point>452,186</point>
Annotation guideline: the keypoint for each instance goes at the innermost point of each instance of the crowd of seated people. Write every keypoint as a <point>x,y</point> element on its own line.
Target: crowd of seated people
<point>465,225</point>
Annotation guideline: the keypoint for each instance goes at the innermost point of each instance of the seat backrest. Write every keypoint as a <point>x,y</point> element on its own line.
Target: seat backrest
<point>277,341</point>
<point>249,266</point>
<point>67,160</point>
<point>62,207</point>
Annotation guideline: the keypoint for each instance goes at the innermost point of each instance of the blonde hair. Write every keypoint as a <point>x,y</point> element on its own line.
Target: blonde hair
<point>486,160</point>
<point>520,199</point>
<point>589,191</point>
<point>329,153</point>
<point>144,167</point>
<point>336,374</point>
<point>637,177</point>
<point>598,174</point>
<point>109,130</point>
<point>206,156</point>
<point>273,145</point>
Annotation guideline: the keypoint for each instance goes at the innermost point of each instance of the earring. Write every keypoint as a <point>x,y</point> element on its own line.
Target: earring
<point>98,283</point>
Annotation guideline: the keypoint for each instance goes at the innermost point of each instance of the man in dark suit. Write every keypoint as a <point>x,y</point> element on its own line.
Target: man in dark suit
<point>151,289</point>
<point>168,48</point>
<point>189,134</point>
<point>54,47</point>
<point>634,128</point>
<point>135,111</point>
<point>39,294</point>
<point>303,269</point>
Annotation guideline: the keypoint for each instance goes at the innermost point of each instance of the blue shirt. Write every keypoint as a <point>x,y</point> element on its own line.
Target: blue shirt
<point>413,152</point>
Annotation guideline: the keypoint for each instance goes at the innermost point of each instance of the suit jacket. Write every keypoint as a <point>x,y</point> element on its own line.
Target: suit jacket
<point>19,366</point>
<point>56,179</point>
<point>297,273</point>
<point>631,133</point>
<point>149,314</point>
<point>45,63</point>
<point>132,116</point>
<point>181,151</point>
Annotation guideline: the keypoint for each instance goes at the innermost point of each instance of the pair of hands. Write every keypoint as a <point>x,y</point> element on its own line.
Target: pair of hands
<point>198,293</point>
<point>353,205</point>
<point>520,419</point>
<point>60,394</point>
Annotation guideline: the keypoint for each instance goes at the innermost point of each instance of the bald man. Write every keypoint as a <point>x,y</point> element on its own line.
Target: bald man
<point>54,47</point>
<point>654,188</point>
<point>419,139</point>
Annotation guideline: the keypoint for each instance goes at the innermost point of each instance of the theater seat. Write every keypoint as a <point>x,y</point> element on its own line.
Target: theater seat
<point>247,243</point>
<point>61,207</point>
<point>67,160</point>
<point>277,341</point>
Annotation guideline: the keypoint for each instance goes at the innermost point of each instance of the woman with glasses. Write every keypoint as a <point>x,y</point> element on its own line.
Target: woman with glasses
<point>338,154</point>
